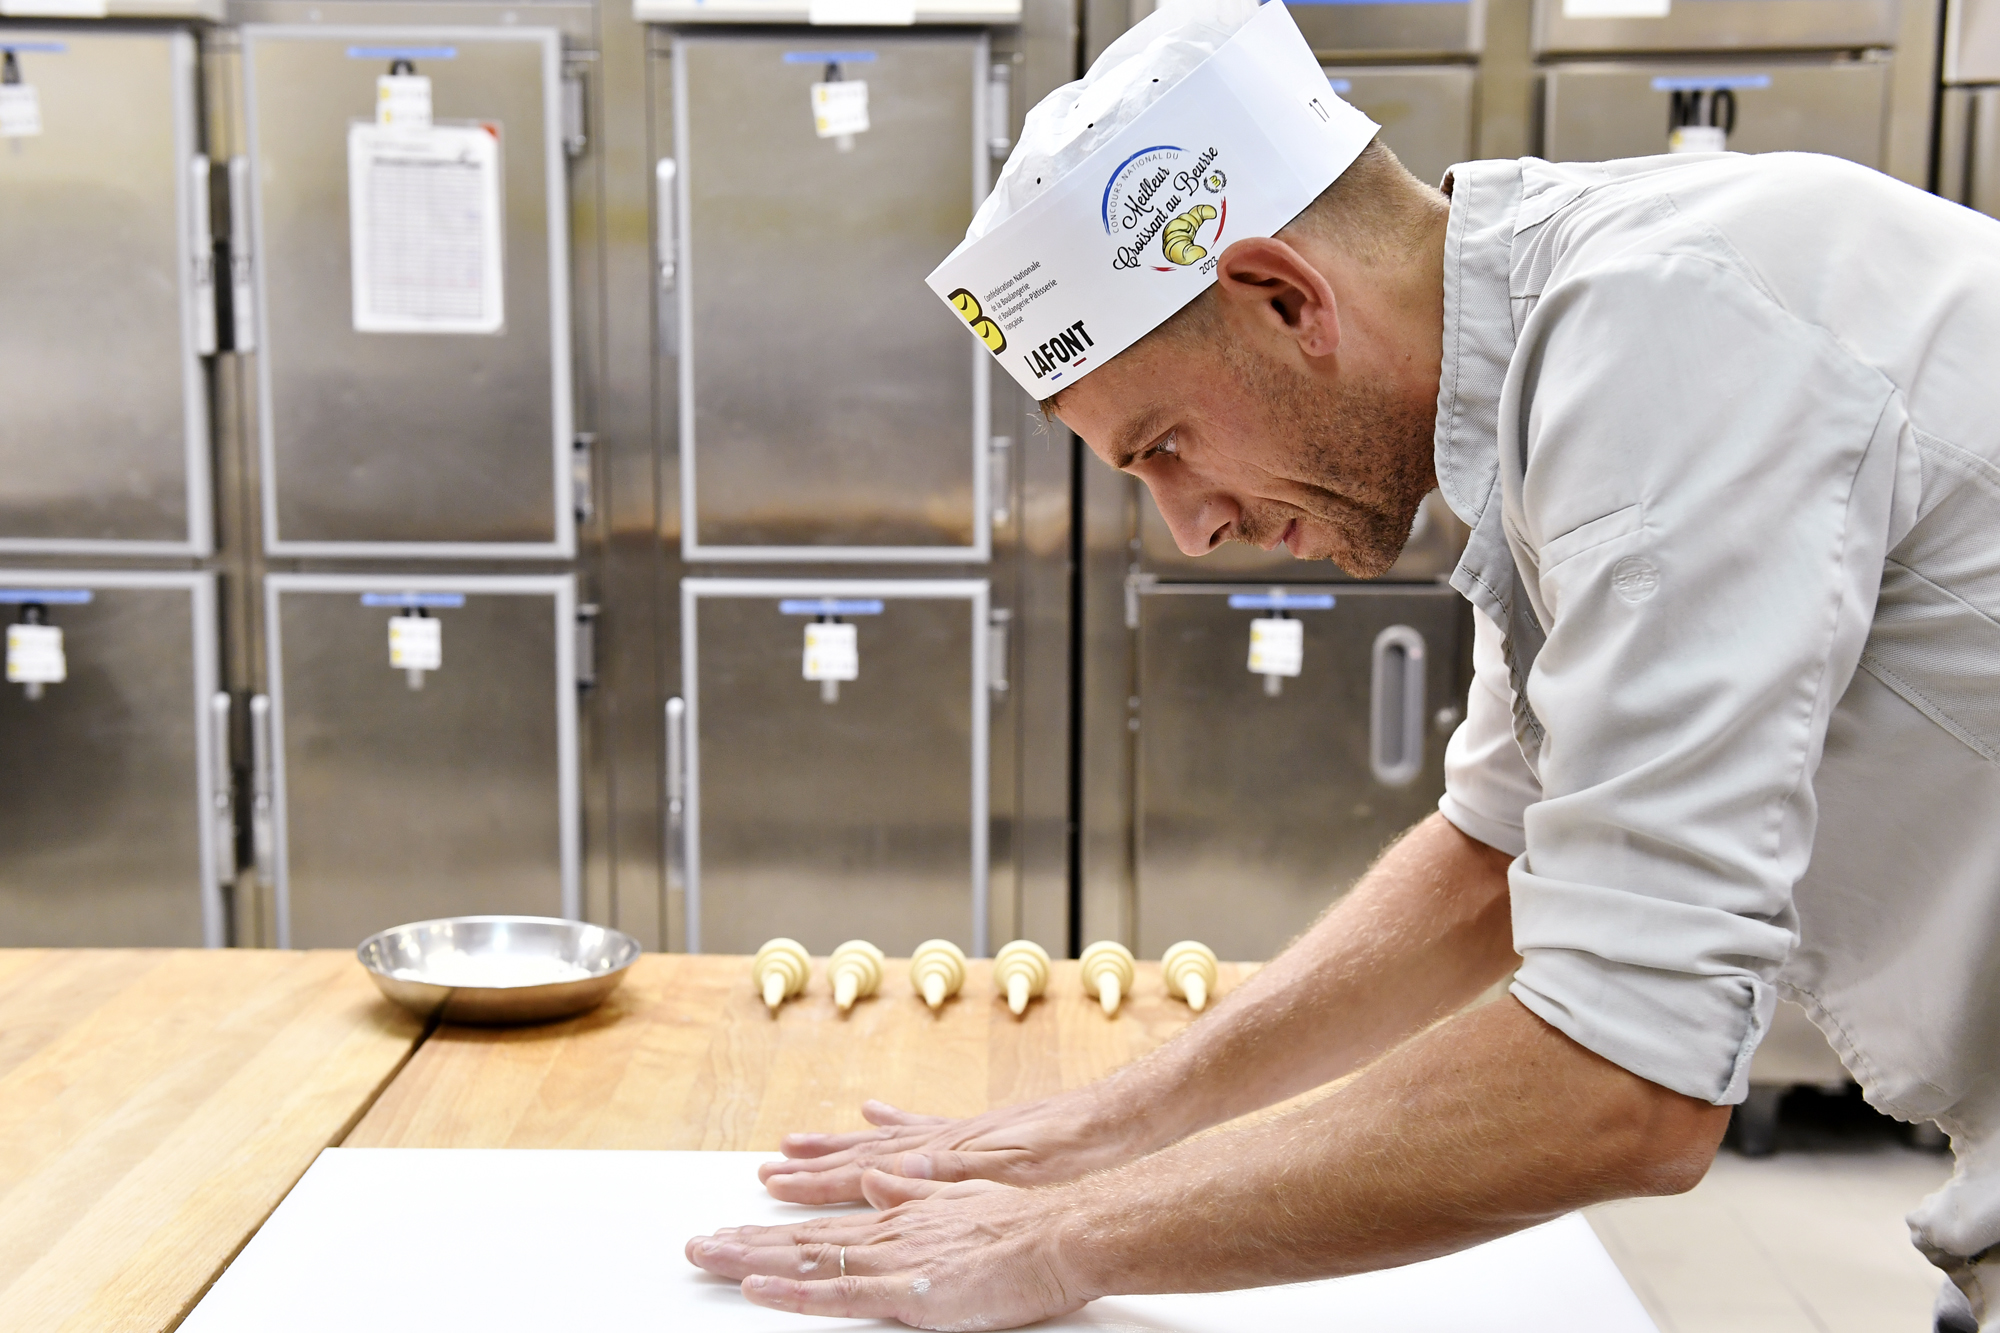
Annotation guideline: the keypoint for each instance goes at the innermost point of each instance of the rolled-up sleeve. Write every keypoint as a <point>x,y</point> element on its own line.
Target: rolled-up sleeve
<point>1488,786</point>
<point>1699,511</point>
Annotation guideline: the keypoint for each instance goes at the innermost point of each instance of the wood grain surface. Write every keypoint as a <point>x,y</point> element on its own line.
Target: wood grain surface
<point>684,1055</point>
<point>154,1108</point>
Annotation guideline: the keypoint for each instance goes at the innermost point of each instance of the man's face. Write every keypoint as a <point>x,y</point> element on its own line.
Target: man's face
<point>1237,445</point>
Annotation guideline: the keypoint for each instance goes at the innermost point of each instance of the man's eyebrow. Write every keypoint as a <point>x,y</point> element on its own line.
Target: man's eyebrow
<point>1134,438</point>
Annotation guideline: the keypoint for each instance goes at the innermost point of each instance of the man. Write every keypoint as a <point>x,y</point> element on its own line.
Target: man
<point>1723,429</point>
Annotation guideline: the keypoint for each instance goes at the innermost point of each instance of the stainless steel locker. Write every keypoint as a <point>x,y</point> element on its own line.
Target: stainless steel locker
<point>1392,27</point>
<point>830,407</point>
<point>1256,809</point>
<point>1587,26</point>
<point>1969,109</point>
<point>109,303</point>
<point>1436,539</point>
<point>864,814</point>
<point>1598,111</point>
<point>396,798</point>
<point>409,444</point>
<point>1425,111</point>
<point>110,822</point>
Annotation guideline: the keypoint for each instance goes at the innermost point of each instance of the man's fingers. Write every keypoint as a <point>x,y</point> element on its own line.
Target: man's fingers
<point>884,1191</point>
<point>855,1297</point>
<point>840,1183</point>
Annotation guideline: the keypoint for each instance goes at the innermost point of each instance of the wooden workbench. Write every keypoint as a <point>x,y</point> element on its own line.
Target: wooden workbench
<point>155,1106</point>
<point>684,1055</point>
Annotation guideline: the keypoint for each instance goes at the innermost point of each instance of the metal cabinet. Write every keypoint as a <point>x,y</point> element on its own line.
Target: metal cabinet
<point>1969,106</point>
<point>1257,807</point>
<point>109,303</point>
<point>1425,111</point>
<point>1392,27</point>
<point>451,435</point>
<point>830,408</point>
<point>1587,26</point>
<point>827,814</point>
<point>111,822</point>
<point>395,796</point>
<point>1593,112</point>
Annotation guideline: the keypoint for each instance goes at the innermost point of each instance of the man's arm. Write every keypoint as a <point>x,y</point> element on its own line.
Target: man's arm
<point>1484,1124</point>
<point>1425,931</point>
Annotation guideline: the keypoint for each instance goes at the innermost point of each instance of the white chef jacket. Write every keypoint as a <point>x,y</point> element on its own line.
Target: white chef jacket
<point>1727,432</point>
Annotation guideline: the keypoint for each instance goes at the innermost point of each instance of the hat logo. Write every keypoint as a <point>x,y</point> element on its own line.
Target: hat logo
<point>967,306</point>
<point>1148,197</point>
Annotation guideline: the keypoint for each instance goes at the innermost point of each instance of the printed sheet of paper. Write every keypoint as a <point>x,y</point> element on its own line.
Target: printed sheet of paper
<point>416,1240</point>
<point>840,108</point>
<point>20,111</point>
<point>424,228</point>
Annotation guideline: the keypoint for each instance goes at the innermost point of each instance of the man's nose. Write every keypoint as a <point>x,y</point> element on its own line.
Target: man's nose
<point>1200,521</point>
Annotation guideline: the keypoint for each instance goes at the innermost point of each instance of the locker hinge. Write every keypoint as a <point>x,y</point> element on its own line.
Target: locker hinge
<point>586,646</point>
<point>582,491</point>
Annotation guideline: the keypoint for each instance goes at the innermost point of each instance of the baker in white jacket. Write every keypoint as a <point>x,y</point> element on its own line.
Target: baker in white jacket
<point>1726,431</point>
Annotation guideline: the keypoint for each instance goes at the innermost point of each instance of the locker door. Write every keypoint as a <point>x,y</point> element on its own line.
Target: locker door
<point>108,822</point>
<point>1258,809</point>
<point>1969,148</point>
<point>829,814</point>
<point>1425,112</point>
<point>1392,27</point>
<point>400,797</point>
<point>448,439</point>
<point>103,411</point>
<point>1596,112</point>
<point>831,408</point>
<point>1712,25</point>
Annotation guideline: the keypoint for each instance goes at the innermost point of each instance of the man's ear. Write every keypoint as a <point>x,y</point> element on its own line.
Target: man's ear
<point>1266,282</point>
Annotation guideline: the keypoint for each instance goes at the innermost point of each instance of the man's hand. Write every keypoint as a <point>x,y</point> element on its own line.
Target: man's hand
<point>1058,1138</point>
<point>971,1255</point>
<point>1487,1123</point>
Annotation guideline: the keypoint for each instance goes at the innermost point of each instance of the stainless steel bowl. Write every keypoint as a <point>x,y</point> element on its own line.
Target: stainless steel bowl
<point>498,969</point>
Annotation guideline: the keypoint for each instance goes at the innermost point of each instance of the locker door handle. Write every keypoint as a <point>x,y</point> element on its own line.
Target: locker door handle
<point>263,831</point>
<point>666,204</point>
<point>673,845</point>
<point>999,110</point>
<point>1000,453</point>
<point>201,256</point>
<point>1396,707</point>
<point>998,621</point>
<point>242,302</point>
<point>222,788</point>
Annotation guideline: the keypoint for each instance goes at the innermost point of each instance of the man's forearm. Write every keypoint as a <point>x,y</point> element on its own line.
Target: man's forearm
<point>1424,932</point>
<point>1487,1123</point>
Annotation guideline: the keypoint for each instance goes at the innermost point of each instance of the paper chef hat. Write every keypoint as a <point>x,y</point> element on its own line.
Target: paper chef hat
<point>1208,121</point>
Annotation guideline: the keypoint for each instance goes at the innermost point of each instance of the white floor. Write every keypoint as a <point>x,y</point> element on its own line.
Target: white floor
<point>1803,1242</point>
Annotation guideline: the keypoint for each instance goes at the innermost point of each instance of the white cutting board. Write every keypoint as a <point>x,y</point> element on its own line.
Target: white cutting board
<point>408,1240</point>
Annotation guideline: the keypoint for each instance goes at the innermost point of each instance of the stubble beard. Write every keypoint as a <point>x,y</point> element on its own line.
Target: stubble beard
<point>1361,455</point>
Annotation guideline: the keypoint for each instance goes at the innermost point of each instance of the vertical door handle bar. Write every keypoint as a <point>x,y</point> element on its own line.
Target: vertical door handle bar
<point>1000,450</point>
<point>263,832</point>
<point>998,621</point>
<point>666,204</point>
<point>673,846</point>
<point>222,788</point>
<point>242,304</point>
<point>1396,707</point>
<point>201,256</point>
